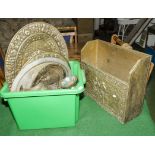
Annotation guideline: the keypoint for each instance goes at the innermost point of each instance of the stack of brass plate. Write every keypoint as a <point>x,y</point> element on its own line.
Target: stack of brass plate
<point>33,43</point>
<point>48,71</point>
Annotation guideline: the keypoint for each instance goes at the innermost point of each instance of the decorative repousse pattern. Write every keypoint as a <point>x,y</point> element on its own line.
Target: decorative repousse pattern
<point>123,100</point>
<point>32,37</point>
<point>42,54</point>
<point>108,91</point>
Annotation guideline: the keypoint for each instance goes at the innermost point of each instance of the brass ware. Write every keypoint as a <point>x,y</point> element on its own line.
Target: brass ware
<point>53,72</point>
<point>44,70</point>
<point>31,38</point>
<point>116,77</point>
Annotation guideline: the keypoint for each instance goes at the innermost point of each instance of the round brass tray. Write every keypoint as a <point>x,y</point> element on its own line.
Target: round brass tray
<point>32,37</point>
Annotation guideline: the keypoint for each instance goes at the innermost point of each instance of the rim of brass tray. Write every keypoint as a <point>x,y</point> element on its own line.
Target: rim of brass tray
<point>43,54</point>
<point>29,67</point>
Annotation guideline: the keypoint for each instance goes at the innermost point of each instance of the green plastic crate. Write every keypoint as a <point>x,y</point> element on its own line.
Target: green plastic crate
<point>46,108</point>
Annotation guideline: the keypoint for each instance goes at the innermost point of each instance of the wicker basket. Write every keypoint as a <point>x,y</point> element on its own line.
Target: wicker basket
<point>116,77</point>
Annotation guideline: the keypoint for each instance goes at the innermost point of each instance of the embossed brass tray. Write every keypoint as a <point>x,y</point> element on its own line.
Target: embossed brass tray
<point>31,38</point>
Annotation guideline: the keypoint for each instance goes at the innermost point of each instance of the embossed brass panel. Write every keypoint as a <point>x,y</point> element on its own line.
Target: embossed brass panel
<point>37,36</point>
<point>116,77</point>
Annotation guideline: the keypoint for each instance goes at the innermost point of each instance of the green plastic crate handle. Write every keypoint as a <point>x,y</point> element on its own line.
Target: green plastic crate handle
<point>2,89</point>
<point>83,76</point>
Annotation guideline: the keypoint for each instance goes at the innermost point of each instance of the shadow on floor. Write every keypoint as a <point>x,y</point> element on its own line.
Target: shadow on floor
<point>150,95</point>
<point>150,91</point>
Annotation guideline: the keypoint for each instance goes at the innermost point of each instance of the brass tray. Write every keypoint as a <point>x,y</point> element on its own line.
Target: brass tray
<point>32,37</point>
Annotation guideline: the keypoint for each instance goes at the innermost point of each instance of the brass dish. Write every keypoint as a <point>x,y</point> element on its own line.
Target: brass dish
<point>32,37</point>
